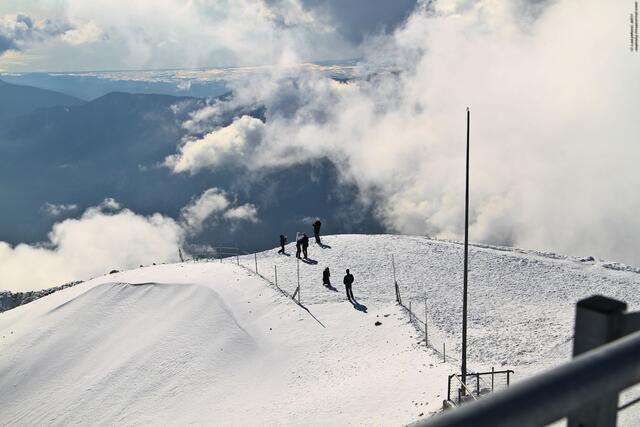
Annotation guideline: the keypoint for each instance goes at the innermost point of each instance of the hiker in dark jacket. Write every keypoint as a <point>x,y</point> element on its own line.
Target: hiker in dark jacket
<point>316,231</point>
<point>305,244</point>
<point>299,238</point>
<point>325,277</point>
<point>348,281</point>
<point>283,240</point>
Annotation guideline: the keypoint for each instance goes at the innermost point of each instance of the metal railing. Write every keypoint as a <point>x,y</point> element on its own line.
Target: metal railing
<point>584,390</point>
<point>472,384</point>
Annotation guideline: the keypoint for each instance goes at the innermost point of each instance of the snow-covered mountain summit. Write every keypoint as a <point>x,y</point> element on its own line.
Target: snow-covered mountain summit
<point>213,343</point>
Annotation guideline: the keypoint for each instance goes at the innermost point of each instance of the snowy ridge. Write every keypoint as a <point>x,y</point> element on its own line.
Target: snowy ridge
<point>212,343</point>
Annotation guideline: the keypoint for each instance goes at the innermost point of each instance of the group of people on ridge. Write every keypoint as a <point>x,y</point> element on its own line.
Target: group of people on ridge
<point>302,244</point>
<point>302,240</point>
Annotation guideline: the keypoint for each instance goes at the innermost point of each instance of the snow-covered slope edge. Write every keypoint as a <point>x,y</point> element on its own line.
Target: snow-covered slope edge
<point>208,343</point>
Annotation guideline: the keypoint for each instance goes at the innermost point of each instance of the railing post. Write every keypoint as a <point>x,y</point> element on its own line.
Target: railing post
<point>492,377</point>
<point>275,269</point>
<point>444,352</point>
<point>255,259</point>
<point>478,384</point>
<point>449,388</point>
<point>599,320</point>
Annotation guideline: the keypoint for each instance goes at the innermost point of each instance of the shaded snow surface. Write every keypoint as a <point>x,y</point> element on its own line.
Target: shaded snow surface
<point>212,343</point>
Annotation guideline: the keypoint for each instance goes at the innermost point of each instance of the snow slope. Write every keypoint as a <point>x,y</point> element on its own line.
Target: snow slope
<point>521,303</point>
<point>213,343</point>
<point>208,344</point>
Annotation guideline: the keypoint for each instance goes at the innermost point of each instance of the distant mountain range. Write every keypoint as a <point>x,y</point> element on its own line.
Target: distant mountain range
<point>55,148</point>
<point>17,100</point>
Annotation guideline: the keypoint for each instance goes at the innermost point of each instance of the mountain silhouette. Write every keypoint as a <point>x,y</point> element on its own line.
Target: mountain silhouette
<point>17,100</point>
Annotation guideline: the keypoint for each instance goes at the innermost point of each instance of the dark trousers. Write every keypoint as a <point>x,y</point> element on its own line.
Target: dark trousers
<point>317,236</point>
<point>298,248</point>
<point>304,251</point>
<point>350,296</point>
<point>281,251</point>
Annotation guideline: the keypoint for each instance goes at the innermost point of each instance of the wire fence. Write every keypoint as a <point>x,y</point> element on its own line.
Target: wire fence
<point>418,312</point>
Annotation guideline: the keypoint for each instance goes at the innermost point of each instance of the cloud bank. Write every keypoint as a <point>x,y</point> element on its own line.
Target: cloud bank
<point>120,34</point>
<point>104,237</point>
<point>108,236</point>
<point>554,117</point>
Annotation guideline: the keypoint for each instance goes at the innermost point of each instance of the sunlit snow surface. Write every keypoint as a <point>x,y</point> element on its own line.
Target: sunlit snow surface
<point>212,343</point>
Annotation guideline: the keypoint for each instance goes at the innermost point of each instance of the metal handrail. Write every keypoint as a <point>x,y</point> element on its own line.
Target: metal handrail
<point>554,394</point>
<point>465,386</point>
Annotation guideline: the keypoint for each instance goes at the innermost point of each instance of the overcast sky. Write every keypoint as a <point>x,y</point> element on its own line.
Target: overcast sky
<point>80,35</point>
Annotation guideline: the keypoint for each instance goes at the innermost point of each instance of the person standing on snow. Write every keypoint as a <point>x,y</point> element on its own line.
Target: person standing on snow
<point>299,238</point>
<point>316,230</point>
<point>348,281</point>
<point>283,240</point>
<point>305,244</point>
<point>325,277</point>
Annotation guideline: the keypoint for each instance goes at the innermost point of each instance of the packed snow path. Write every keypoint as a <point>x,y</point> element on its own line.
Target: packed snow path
<point>209,344</point>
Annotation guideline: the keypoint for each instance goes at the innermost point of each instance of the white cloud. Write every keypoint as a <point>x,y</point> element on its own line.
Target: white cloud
<point>554,108</point>
<point>212,201</point>
<point>246,212</point>
<point>98,241</point>
<point>225,144</point>
<point>59,209</point>
<point>212,204</point>
<point>108,236</point>
<point>87,32</point>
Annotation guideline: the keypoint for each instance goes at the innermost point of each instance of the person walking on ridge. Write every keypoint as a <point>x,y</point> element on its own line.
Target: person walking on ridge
<point>305,244</point>
<point>326,274</point>
<point>299,238</point>
<point>283,240</point>
<point>316,231</point>
<point>348,281</point>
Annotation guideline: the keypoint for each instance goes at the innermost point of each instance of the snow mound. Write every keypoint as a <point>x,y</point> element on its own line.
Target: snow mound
<point>208,343</point>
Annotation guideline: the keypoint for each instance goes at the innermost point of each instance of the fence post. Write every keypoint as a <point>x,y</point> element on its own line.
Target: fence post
<point>492,377</point>
<point>255,259</point>
<point>478,384</point>
<point>275,269</point>
<point>298,266</point>
<point>426,329</point>
<point>395,282</point>
<point>599,320</point>
<point>444,352</point>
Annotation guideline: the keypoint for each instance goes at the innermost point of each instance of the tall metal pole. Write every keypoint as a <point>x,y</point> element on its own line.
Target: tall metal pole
<point>466,255</point>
